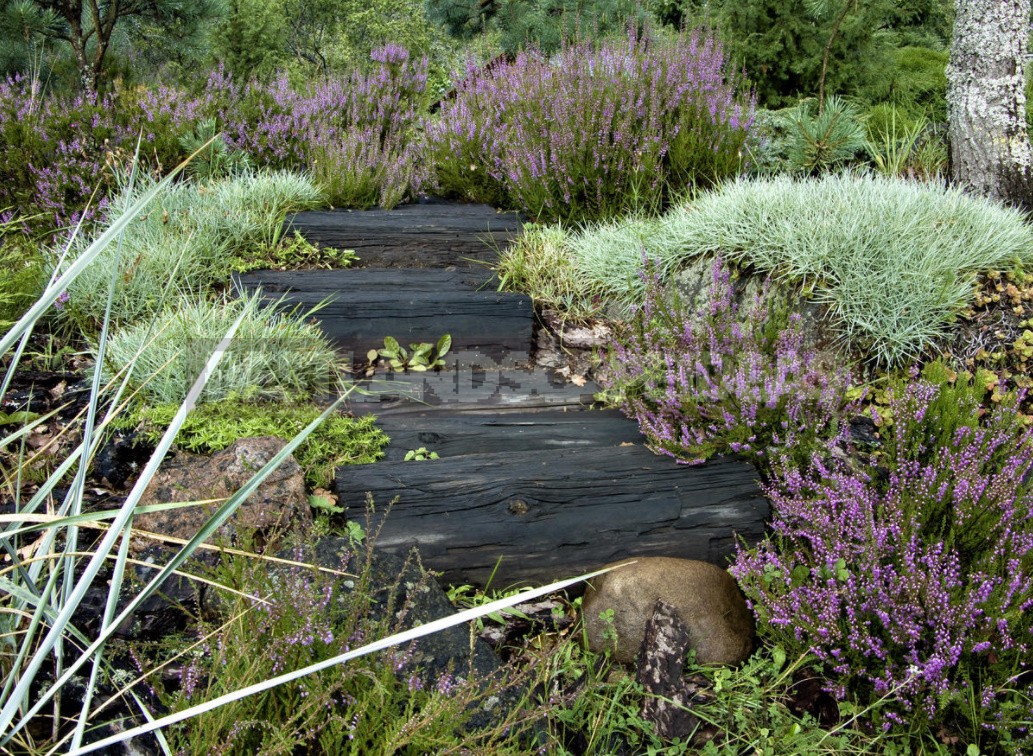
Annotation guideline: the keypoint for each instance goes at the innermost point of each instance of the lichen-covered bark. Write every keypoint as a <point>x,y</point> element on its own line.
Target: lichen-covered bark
<point>986,102</point>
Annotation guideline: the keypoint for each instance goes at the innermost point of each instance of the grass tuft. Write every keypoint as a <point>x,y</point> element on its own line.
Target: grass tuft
<point>179,247</point>
<point>274,356</point>
<point>895,260</point>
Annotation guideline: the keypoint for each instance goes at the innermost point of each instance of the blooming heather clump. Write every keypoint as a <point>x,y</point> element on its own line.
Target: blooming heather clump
<point>912,581</point>
<point>357,135</point>
<point>593,131</point>
<point>58,150</point>
<point>716,383</point>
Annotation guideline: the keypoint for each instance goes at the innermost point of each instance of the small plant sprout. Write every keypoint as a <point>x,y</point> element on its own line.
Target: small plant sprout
<point>418,358</point>
<point>419,455</point>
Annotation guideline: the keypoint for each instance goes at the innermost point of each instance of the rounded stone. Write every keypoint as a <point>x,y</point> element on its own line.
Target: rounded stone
<point>706,598</point>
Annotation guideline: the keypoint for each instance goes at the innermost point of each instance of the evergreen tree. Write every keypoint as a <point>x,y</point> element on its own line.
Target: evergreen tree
<point>543,24</point>
<point>796,48</point>
<point>26,31</point>
<point>86,28</point>
<point>249,40</point>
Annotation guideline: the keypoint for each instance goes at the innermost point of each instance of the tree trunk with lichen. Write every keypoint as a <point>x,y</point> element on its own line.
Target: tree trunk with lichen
<point>986,101</point>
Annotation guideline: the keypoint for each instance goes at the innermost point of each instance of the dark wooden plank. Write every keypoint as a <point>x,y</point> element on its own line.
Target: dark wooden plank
<point>357,318</point>
<point>472,381</point>
<point>369,279</point>
<point>556,513</point>
<point>424,235</point>
<point>455,434</point>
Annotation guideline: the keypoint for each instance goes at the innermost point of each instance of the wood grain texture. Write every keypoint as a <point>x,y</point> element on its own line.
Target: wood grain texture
<point>360,307</point>
<point>425,235</point>
<point>502,431</point>
<point>554,513</point>
<point>472,382</point>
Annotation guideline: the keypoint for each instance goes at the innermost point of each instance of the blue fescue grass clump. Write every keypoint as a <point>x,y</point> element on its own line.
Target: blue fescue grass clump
<point>894,260</point>
<point>911,579</point>
<point>179,249</point>
<point>275,356</point>
<point>594,131</point>
<point>717,381</point>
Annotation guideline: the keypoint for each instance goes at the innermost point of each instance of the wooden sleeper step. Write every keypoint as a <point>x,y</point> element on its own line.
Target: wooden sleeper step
<point>549,514</point>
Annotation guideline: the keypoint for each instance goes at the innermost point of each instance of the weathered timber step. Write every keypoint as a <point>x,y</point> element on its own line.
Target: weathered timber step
<point>493,432</point>
<point>384,280</point>
<point>471,382</point>
<point>431,234</point>
<point>555,513</point>
<point>361,307</point>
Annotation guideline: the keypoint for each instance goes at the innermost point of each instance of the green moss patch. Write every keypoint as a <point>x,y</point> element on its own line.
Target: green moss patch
<point>212,427</point>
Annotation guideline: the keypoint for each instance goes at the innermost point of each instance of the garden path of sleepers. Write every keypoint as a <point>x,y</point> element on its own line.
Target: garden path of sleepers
<point>534,482</point>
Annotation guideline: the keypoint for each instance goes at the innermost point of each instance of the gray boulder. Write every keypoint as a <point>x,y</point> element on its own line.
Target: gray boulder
<point>705,597</point>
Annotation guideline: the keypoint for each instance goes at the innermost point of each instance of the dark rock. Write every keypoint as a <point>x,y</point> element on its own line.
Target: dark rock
<point>400,588</point>
<point>121,458</point>
<point>864,432</point>
<point>169,610</point>
<point>398,583</point>
<point>277,505</point>
<point>706,598</point>
<point>660,663</point>
<point>808,696</point>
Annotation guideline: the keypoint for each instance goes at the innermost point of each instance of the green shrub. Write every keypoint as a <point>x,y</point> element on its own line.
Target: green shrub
<point>22,276</point>
<point>895,260</point>
<point>179,248</point>
<point>916,83</point>
<point>274,355</point>
<point>769,141</point>
<point>214,426</point>
<point>823,140</point>
<point>903,145</point>
<point>212,157</point>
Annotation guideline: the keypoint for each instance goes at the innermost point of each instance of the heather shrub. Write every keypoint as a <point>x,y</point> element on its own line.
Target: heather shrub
<point>594,131</point>
<point>273,356</point>
<point>894,260</point>
<point>54,152</point>
<point>717,382</point>
<point>358,135</point>
<point>912,579</point>
<point>59,150</point>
